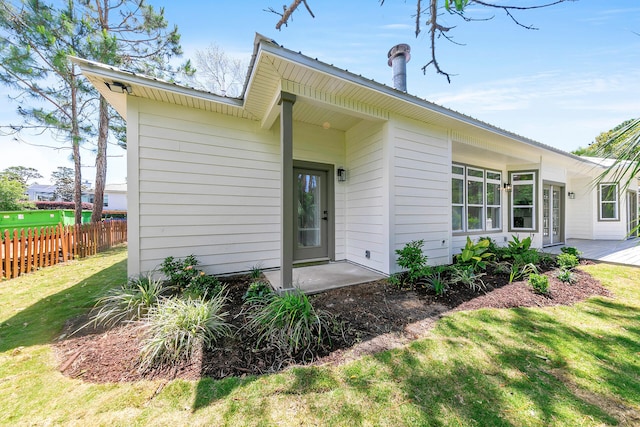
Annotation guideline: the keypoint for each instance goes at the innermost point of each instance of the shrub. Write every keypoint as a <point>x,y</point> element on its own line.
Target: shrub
<point>539,283</point>
<point>176,327</point>
<point>571,250</point>
<point>203,285</point>
<point>566,276</point>
<point>180,272</point>
<point>131,301</point>
<point>258,291</point>
<point>412,258</point>
<point>394,280</point>
<point>290,323</point>
<point>468,277</point>
<point>567,261</point>
<point>475,254</point>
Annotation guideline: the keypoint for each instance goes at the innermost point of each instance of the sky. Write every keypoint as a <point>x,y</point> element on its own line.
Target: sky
<point>576,75</point>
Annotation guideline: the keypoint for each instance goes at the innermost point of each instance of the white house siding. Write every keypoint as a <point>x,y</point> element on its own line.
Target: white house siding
<point>117,201</point>
<point>209,186</point>
<point>579,211</point>
<point>421,187</point>
<point>366,226</point>
<point>316,144</point>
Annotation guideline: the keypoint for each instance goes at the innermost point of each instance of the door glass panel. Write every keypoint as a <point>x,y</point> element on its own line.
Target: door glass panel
<point>555,215</point>
<point>545,212</point>
<point>309,210</point>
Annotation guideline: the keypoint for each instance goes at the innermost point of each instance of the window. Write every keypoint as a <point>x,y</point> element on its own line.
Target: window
<point>608,196</point>
<point>475,199</point>
<point>105,201</point>
<point>523,201</point>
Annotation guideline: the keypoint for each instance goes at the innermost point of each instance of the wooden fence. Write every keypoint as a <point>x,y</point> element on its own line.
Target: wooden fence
<point>30,249</point>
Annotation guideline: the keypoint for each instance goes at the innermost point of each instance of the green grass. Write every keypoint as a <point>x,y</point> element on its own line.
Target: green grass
<point>558,366</point>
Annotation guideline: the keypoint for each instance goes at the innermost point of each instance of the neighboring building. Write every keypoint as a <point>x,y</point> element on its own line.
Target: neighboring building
<point>115,197</point>
<point>316,163</point>
<point>40,192</point>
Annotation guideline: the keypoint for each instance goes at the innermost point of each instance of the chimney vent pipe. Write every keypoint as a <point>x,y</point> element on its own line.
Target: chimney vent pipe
<point>398,56</point>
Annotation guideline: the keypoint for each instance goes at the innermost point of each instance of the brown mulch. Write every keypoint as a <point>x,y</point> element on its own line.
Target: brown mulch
<point>377,317</point>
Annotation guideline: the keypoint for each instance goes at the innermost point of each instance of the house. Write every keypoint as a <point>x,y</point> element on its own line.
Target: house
<point>115,197</point>
<point>47,192</point>
<point>315,163</point>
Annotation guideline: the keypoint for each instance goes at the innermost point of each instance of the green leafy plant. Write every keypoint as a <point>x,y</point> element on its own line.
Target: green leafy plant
<point>517,246</point>
<point>519,271</point>
<point>539,283</point>
<point>290,323</point>
<point>571,250</point>
<point>176,327</point>
<point>180,272</point>
<point>501,267</point>
<point>475,254</point>
<point>394,280</point>
<point>131,301</point>
<point>202,285</point>
<point>566,276</point>
<point>437,281</point>
<point>256,272</point>
<point>257,292</point>
<point>567,261</point>
<point>468,277</point>
<point>412,258</point>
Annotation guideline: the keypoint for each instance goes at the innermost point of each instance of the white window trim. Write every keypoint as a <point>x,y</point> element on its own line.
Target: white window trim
<point>615,202</point>
<point>534,200</point>
<point>484,206</point>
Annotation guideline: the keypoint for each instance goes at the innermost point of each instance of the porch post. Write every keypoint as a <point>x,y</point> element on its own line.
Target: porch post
<point>286,179</point>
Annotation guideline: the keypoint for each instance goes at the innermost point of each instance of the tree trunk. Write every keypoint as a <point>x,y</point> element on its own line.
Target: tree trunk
<point>75,143</point>
<point>101,162</point>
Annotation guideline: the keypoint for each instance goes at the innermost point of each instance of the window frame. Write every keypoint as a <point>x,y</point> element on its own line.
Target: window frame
<point>534,206</point>
<point>616,202</point>
<point>465,206</point>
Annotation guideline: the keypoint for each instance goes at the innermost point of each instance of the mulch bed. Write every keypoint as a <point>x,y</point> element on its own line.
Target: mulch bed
<point>377,317</point>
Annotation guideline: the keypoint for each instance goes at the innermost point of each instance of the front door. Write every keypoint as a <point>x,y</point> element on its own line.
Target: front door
<point>552,215</point>
<point>632,214</point>
<point>311,204</point>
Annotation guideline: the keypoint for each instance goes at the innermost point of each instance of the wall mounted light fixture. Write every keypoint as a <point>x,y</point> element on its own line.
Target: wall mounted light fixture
<point>342,174</point>
<point>572,195</point>
<point>119,87</point>
<point>506,186</point>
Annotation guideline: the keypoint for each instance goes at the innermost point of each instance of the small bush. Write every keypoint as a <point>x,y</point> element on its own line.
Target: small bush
<point>290,323</point>
<point>203,285</point>
<point>539,283</point>
<point>567,261</point>
<point>468,277</point>
<point>176,327</point>
<point>131,301</point>
<point>566,276</point>
<point>257,292</point>
<point>180,272</point>
<point>571,250</point>
<point>412,258</point>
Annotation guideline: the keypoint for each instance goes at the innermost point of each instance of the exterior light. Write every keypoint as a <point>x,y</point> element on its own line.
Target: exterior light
<point>506,186</point>
<point>572,195</point>
<point>119,87</point>
<point>342,174</point>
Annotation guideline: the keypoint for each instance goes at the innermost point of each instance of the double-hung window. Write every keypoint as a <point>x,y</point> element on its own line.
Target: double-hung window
<point>475,199</point>
<point>608,198</point>
<point>523,201</point>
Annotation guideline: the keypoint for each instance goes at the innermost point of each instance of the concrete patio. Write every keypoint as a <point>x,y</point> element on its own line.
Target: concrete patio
<point>318,278</point>
<point>625,252</point>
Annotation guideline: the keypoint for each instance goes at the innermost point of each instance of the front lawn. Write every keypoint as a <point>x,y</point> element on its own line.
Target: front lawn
<point>577,365</point>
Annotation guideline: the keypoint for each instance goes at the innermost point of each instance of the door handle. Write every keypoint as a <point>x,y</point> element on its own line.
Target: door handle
<point>326,215</point>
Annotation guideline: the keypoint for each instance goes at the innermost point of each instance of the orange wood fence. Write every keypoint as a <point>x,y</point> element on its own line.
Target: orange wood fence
<point>30,249</point>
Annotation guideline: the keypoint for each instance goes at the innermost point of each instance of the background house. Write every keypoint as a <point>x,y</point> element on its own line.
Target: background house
<point>314,163</point>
